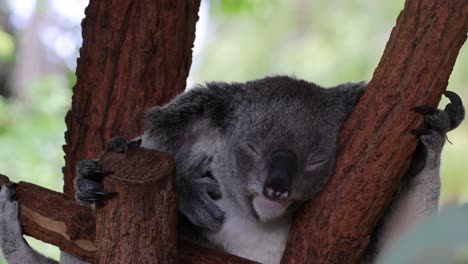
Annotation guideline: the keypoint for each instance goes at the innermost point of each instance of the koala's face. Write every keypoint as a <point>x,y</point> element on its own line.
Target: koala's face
<point>282,150</point>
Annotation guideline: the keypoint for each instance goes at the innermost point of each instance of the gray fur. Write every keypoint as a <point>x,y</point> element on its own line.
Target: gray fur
<point>225,137</point>
<point>15,249</point>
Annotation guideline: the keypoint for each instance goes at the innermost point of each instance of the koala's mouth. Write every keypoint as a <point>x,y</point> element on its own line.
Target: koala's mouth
<point>268,209</point>
<point>266,203</point>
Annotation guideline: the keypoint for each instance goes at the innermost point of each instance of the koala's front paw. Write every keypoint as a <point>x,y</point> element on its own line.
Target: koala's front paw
<point>197,203</point>
<point>120,145</point>
<point>88,184</point>
<point>439,122</point>
<point>9,212</point>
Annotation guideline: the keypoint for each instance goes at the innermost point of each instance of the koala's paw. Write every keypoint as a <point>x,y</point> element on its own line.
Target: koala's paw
<point>431,139</point>
<point>88,186</point>
<point>439,122</point>
<point>120,145</point>
<point>197,203</point>
<point>9,211</point>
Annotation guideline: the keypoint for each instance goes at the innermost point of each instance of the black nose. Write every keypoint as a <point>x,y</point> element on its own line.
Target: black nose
<point>283,167</point>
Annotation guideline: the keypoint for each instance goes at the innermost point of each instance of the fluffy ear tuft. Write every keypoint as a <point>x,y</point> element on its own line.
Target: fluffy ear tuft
<point>191,117</point>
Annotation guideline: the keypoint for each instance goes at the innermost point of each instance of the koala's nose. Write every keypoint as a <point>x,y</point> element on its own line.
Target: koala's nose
<point>282,168</point>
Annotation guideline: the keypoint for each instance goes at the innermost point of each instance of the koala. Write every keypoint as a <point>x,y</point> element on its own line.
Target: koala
<point>247,156</point>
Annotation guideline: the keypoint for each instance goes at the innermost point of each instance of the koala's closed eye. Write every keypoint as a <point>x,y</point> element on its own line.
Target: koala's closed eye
<point>251,149</point>
<point>313,164</point>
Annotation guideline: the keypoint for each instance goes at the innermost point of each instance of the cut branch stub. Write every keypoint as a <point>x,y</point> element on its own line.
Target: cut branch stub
<point>55,219</point>
<point>138,225</point>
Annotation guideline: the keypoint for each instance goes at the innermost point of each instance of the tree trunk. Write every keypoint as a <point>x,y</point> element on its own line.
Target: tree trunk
<point>135,54</point>
<point>375,143</point>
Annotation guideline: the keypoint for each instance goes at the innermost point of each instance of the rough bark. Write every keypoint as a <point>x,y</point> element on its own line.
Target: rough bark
<point>139,224</point>
<point>191,254</point>
<point>135,54</point>
<point>55,219</point>
<point>375,143</point>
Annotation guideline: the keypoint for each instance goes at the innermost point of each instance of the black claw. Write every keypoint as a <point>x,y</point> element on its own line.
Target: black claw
<point>453,97</point>
<point>102,195</point>
<point>88,200</point>
<point>420,132</point>
<point>448,140</point>
<point>97,196</point>
<point>454,109</point>
<point>135,143</point>
<point>102,173</point>
<point>117,145</point>
<point>424,109</point>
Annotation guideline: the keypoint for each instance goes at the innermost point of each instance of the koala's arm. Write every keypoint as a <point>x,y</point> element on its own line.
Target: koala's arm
<point>191,129</point>
<point>420,188</point>
<point>15,249</point>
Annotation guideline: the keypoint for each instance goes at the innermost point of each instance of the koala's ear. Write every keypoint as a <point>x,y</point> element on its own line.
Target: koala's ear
<point>196,115</point>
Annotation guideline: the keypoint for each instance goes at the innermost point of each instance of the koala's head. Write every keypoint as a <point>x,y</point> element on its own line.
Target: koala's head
<point>282,144</point>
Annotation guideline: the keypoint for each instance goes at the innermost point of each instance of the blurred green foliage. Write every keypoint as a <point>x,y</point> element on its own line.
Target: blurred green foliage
<point>31,138</point>
<point>327,42</point>
<point>32,133</point>
<point>7,46</point>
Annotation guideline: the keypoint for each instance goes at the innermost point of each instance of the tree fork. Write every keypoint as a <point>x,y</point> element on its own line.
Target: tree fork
<point>375,144</point>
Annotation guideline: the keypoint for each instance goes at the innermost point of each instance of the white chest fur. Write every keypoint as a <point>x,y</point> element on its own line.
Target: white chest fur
<point>244,236</point>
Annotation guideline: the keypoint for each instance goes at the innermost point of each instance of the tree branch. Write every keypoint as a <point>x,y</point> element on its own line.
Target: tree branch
<point>375,143</point>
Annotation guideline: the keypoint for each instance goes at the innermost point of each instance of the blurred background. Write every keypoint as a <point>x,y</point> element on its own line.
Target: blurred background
<point>326,42</point>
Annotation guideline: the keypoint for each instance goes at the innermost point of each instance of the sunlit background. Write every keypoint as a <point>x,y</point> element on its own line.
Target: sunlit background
<point>327,42</point>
